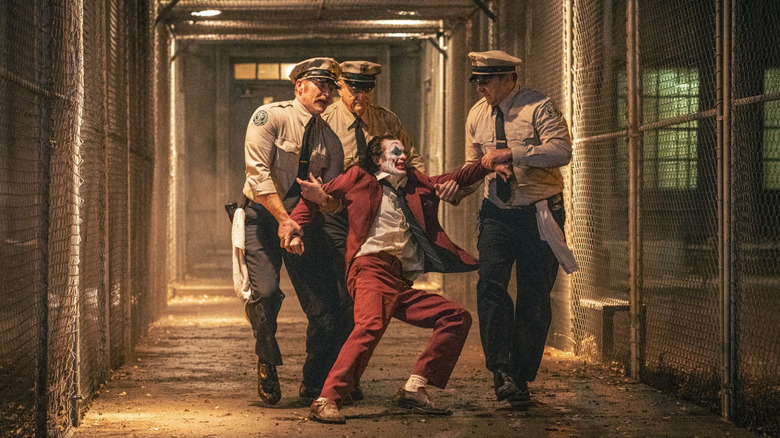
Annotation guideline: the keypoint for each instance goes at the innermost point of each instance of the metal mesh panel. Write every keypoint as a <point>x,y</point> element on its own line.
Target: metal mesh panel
<point>63,216</point>
<point>600,188</point>
<point>544,71</point>
<point>93,354</point>
<point>679,211</point>
<point>157,101</point>
<point>143,303</point>
<point>24,97</point>
<point>756,213</point>
<point>64,196</point>
<point>544,66</point>
<point>681,279</point>
<point>116,99</point>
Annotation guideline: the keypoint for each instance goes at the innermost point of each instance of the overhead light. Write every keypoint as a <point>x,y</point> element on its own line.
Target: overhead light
<point>206,13</point>
<point>402,22</point>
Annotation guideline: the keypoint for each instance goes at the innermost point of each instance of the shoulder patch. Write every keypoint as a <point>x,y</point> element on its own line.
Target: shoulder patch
<point>260,117</point>
<point>549,110</point>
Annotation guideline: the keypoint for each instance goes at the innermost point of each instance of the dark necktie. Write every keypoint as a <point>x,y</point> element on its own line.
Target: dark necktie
<point>433,258</point>
<point>306,150</point>
<point>292,196</point>
<point>503,188</point>
<point>360,137</point>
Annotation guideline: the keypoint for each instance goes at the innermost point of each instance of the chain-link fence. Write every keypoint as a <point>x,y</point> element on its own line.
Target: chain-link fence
<point>755,219</point>
<point>83,177</point>
<point>676,195</point>
<point>674,187</point>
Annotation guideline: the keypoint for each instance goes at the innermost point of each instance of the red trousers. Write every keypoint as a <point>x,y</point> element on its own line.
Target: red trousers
<point>380,292</point>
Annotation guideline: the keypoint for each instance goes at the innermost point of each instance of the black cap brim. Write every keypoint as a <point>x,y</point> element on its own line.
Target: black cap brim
<point>361,85</point>
<point>324,75</point>
<point>477,76</point>
<point>487,71</point>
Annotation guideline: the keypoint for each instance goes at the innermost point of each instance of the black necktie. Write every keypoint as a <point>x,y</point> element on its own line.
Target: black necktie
<point>433,258</point>
<point>360,137</point>
<point>292,196</point>
<point>306,150</point>
<point>503,188</point>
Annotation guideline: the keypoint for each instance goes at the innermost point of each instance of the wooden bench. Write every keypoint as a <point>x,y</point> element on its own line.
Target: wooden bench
<point>607,307</point>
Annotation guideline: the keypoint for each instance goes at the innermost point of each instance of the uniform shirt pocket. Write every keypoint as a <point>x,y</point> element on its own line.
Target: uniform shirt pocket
<point>521,133</point>
<point>484,140</point>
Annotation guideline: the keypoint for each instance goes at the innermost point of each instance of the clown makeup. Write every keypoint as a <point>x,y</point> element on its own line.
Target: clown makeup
<point>393,159</point>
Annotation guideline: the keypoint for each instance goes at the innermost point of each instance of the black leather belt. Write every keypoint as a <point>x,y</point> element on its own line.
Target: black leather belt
<point>553,201</point>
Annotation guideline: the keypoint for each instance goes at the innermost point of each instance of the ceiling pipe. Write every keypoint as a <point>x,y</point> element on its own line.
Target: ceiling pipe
<point>165,11</point>
<point>299,37</point>
<point>486,10</point>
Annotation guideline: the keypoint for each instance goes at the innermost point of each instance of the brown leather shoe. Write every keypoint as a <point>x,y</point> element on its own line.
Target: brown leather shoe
<point>268,383</point>
<point>325,410</point>
<point>418,402</point>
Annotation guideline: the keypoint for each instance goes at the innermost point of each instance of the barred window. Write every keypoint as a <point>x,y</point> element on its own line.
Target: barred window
<point>771,134</point>
<point>671,151</point>
<point>262,71</point>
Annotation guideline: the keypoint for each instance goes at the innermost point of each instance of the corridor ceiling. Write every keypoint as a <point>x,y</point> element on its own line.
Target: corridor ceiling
<point>269,20</point>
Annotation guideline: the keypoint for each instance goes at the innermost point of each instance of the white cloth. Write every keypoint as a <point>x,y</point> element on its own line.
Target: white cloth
<point>240,275</point>
<point>550,232</point>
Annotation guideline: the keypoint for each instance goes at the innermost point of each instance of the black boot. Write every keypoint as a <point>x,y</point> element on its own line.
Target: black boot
<point>308,393</point>
<point>505,385</point>
<point>522,397</point>
<point>268,383</point>
<point>357,392</point>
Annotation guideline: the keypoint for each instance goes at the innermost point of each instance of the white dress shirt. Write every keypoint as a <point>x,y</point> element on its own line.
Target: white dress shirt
<point>391,232</point>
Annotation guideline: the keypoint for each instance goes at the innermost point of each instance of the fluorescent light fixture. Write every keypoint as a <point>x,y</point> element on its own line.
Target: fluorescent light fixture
<point>206,13</point>
<point>402,22</point>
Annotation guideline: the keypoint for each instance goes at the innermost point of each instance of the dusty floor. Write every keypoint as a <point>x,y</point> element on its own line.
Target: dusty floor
<point>194,376</point>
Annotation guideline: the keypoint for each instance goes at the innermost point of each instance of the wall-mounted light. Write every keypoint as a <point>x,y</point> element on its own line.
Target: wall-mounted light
<point>206,13</point>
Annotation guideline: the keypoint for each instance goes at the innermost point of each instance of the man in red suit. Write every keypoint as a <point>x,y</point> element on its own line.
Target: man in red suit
<point>394,236</point>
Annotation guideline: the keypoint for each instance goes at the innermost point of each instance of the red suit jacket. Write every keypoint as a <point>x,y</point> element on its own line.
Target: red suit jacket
<point>361,194</point>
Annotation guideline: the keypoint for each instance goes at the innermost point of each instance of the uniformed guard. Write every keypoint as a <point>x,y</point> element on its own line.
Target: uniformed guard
<point>284,141</point>
<point>522,133</point>
<point>356,119</point>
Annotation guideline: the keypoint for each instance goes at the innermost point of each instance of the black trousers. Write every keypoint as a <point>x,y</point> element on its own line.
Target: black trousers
<point>314,282</point>
<point>513,337</point>
<point>336,227</point>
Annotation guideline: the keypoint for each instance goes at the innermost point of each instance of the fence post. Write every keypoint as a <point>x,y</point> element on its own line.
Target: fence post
<point>634,180</point>
<point>724,43</point>
<point>75,280</point>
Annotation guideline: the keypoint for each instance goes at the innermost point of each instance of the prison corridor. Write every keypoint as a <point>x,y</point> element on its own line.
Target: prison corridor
<point>193,375</point>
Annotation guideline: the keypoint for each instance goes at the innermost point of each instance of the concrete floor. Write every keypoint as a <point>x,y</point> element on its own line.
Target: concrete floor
<point>194,376</point>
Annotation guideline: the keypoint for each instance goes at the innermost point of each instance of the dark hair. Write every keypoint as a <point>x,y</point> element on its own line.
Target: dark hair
<point>373,150</point>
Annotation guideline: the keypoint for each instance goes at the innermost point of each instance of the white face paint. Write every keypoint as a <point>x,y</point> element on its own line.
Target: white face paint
<point>393,159</point>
